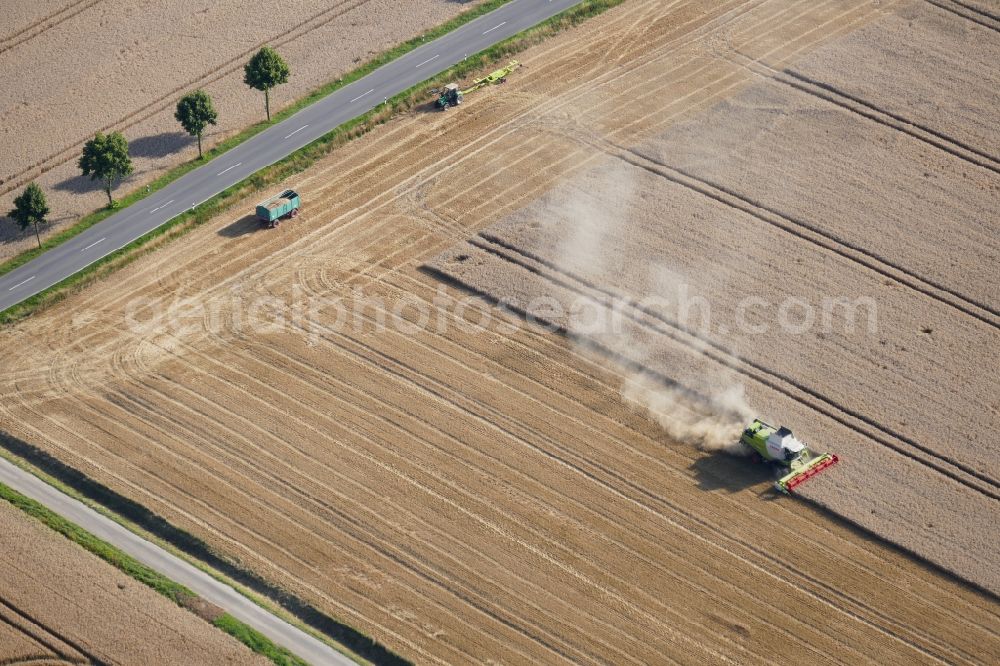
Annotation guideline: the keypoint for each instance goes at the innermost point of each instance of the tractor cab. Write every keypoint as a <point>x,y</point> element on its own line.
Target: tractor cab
<point>450,96</point>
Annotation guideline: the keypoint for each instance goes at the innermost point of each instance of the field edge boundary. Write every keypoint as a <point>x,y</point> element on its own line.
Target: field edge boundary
<point>149,577</point>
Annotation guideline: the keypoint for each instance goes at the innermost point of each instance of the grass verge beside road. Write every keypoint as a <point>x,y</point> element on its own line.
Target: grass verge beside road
<point>176,592</point>
<point>295,162</point>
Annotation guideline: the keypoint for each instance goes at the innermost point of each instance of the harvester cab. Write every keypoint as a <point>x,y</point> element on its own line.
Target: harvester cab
<point>779,447</point>
<point>782,445</point>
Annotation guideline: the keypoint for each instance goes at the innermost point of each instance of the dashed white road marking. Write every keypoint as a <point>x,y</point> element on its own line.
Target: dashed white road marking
<point>232,167</point>
<point>495,27</point>
<point>361,95</point>
<point>92,245</point>
<point>297,131</point>
<point>163,206</point>
<point>429,59</point>
<point>20,283</point>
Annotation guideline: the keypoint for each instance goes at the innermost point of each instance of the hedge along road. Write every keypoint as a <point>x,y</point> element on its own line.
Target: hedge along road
<point>271,145</point>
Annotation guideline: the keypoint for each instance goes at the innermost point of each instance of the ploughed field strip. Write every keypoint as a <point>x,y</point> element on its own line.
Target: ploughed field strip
<point>475,488</point>
<point>22,640</point>
<point>148,58</point>
<point>60,604</point>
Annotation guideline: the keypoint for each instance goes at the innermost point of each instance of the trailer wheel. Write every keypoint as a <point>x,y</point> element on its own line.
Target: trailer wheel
<point>295,212</point>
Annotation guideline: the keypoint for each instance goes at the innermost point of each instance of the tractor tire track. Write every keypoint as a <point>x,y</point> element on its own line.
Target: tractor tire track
<point>857,106</point>
<point>51,21</point>
<point>810,233</point>
<point>46,642</point>
<point>968,12</point>
<point>775,380</point>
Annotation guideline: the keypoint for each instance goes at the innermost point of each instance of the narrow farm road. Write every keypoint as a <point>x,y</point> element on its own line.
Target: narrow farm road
<point>300,643</point>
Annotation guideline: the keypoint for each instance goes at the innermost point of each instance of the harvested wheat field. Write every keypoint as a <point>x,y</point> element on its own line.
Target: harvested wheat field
<point>325,406</point>
<point>60,604</point>
<point>148,56</point>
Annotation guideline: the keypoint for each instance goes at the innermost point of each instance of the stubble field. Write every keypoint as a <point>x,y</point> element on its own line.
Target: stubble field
<point>479,488</point>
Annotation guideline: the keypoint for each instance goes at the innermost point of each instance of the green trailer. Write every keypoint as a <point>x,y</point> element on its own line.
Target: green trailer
<point>281,207</point>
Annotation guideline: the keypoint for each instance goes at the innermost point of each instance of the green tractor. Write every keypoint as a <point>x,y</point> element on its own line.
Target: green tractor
<point>450,96</point>
<point>779,447</point>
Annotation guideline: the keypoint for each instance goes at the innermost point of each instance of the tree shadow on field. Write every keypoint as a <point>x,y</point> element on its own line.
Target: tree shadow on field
<point>247,224</point>
<point>10,232</point>
<point>159,145</point>
<point>721,471</point>
<point>79,184</point>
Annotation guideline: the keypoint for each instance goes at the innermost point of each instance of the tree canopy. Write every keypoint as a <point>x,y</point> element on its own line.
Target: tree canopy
<point>105,157</point>
<point>195,112</point>
<point>30,209</point>
<point>265,70</point>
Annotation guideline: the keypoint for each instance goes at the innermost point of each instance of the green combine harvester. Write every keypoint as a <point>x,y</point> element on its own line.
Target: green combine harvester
<point>452,95</point>
<point>779,447</point>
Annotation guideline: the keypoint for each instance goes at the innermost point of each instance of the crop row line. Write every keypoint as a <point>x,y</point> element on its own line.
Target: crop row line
<point>968,12</point>
<point>47,23</point>
<point>771,378</point>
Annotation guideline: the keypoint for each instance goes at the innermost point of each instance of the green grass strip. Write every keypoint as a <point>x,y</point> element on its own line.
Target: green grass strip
<point>301,159</point>
<point>256,641</point>
<point>104,550</point>
<point>176,592</point>
<point>228,144</point>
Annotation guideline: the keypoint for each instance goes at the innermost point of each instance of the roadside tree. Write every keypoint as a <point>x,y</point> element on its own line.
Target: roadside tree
<point>266,70</point>
<point>105,158</point>
<point>195,112</point>
<point>30,209</point>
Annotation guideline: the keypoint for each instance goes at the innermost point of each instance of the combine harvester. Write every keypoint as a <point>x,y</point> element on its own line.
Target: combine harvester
<point>452,95</point>
<point>779,447</point>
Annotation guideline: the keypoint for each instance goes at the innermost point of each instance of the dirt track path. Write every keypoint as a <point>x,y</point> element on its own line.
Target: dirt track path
<point>468,493</point>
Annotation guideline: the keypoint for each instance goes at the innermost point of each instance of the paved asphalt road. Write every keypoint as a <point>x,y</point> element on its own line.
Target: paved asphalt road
<point>271,145</point>
<point>300,643</point>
